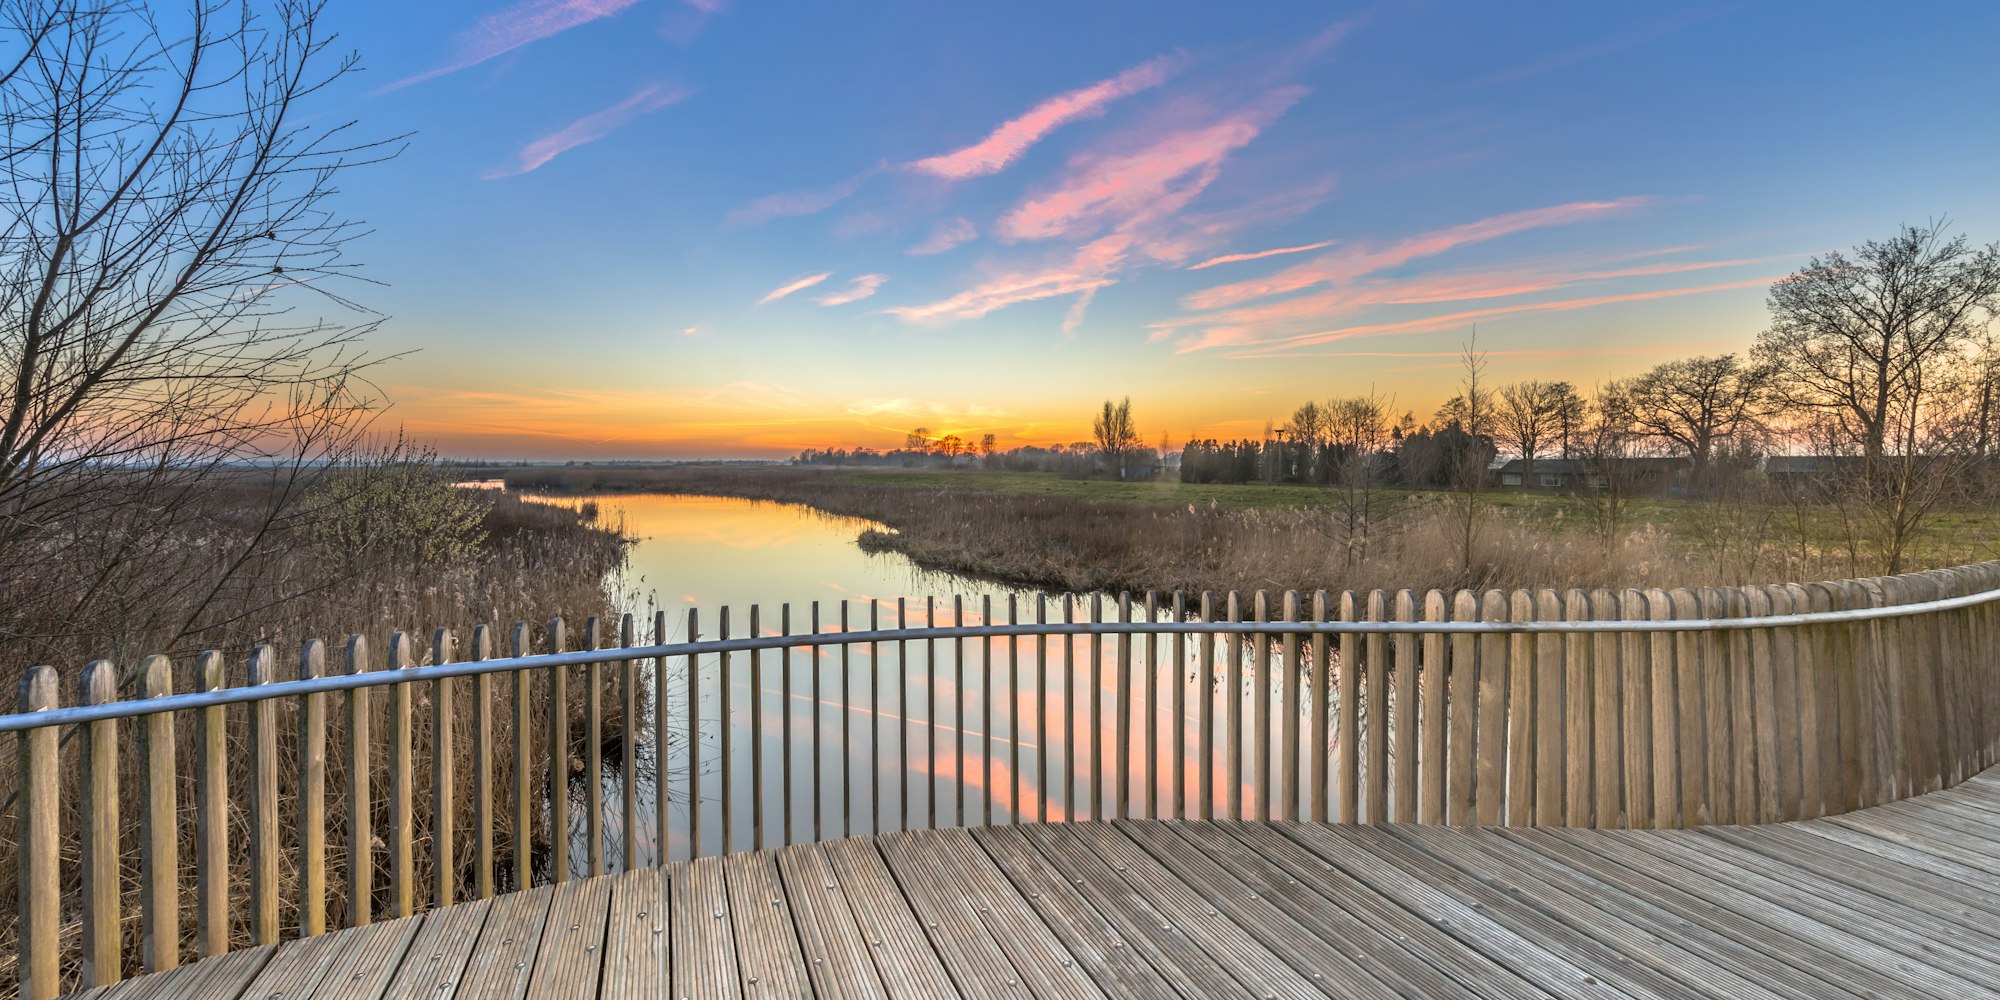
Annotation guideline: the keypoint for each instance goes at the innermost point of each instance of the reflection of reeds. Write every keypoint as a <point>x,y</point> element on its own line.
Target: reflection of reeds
<point>536,560</point>
<point>1077,545</point>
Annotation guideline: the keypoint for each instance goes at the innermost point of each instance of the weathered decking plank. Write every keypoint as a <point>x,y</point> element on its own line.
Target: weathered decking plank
<point>1891,901</point>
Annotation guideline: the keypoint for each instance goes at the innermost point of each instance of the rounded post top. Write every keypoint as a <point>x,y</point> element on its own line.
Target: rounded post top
<point>39,688</point>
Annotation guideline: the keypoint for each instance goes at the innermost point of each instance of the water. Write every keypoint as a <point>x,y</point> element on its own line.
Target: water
<point>883,746</point>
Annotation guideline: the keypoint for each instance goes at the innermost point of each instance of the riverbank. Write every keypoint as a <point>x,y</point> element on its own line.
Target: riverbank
<point>1046,532</point>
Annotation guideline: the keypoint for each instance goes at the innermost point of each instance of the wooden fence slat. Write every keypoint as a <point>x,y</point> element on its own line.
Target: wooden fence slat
<point>1607,667</point>
<point>38,919</point>
<point>1348,724</point>
<point>1790,712</point>
<point>1319,727</point>
<point>1149,783</point>
<point>1122,706</point>
<point>312,794</point>
<point>1765,708</point>
<point>558,786</point>
<point>360,817</point>
<point>902,716</point>
<point>1825,681</point>
<point>1232,710</point>
<point>522,823</point>
<point>264,845</point>
<point>1375,709</point>
<point>1551,750</point>
<point>986,700</point>
<point>1522,717</point>
<point>1462,705</point>
<point>444,778</point>
<point>1204,728</point>
<point>1288,720</point>
<point>1691,715</point>
<point>402,814</point>
<point>1719,740</point>
<point>1495,675</point>
<point>784,731</point>
<point>847,755</point>
<point>160,859</point>
<point>1042,754</point>
<point>1095,690</point>
<point>663,779</point>
<point>212,818</point>
<point>1806,671</point>
<point>1260,716</point>
<point>1404,799</point>
<point>1579,714</point>
<point>1635,707</point>
<point>482,766</point>
<point>1434,678</point>
<point>98,685</point>
<point>1178,803</point>
<point>1747,726</point>
<point>628,744</point>
<point>593,749</point>
<point>1664,734</point>
<point>692,737</point>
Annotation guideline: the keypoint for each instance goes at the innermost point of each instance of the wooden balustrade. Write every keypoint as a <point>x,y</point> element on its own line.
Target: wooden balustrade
<point>1667,727</point>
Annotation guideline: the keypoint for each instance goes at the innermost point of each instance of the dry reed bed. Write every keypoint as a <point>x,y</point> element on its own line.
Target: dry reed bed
<point>535,559</point>
<point>1076,545</point>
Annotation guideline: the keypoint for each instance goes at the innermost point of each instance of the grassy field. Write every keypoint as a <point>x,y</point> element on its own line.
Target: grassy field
<point>1044,530</point>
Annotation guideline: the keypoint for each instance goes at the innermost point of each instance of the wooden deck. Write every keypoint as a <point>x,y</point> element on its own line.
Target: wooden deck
<point>1901,900</point>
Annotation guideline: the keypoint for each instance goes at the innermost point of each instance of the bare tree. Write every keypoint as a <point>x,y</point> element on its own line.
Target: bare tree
<point>1695,404</point>
<point>1609,448</point>
<point>1357,435</point>
<point>1117,436</point>
<point>1571,412</point>
<point>1867,341</point>
<point>951,446</point>
<point>1525,419</point>
<point>166,212</point>
<point>918,439</point>
<point>1474,406</point>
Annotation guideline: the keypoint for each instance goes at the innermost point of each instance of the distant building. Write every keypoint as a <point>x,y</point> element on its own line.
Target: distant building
<point>1576,475</point>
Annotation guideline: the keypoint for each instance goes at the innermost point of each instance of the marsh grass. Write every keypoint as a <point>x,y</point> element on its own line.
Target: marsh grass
<point>528,561</point>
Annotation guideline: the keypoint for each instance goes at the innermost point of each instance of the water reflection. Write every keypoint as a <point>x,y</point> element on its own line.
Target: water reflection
<point>900,734</point>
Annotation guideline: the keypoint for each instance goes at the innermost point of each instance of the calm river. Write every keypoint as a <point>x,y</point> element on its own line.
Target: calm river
<point>876,724</point>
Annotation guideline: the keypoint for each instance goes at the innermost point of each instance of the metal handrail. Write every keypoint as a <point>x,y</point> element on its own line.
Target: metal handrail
<point>77,714</point>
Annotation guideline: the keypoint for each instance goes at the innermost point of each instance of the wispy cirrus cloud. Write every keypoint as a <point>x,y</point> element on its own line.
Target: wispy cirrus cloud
<point>504,31</point>
<point>1274,321</point>
<point>1084,271</point>
<point>859,289</point>
<point>946,235</point>
<point>1013,138</point>
<point>794,285</point>
<point>1280,346</point>
<point>1356,260</point>
<point>788,204</point>
<point>590,128</point>
<point>1149,183</point>
<point>1237,258</point>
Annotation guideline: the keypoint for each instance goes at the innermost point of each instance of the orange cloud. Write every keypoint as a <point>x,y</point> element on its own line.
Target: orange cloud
<point>947,235</point>
<point>1013,138</point>
<point>861,288</point>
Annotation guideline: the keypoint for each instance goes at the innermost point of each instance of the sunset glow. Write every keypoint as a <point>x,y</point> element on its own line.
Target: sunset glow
<point>694,228</point>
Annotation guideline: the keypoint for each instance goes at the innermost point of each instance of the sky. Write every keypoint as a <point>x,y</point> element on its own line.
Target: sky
<point>738,228</point>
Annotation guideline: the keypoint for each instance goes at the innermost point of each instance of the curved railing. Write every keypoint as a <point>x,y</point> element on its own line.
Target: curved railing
<point>1606,709</point>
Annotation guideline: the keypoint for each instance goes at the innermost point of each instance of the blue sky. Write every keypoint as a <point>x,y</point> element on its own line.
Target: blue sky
<point>1012,203</point>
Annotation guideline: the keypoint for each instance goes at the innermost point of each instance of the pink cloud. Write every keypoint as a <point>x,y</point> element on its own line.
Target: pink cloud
<point>789,204</point>
<point>1237,258</point>
<point>504,31</point>
<point>1269,321</point>
<point>946,235</point>
<point>1012,139</point>
<point>1353,262</point>
<point>862,288</point>
<point>1250,348</point>
<point>1150,183</point>
<point>591,128</point>
<point>795,285</point>
<point>1086,271</point>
